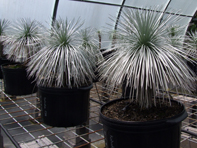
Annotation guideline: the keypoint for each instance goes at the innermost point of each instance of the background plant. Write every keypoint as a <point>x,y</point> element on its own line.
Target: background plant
<point>23,39</point>
<point>68,58</point>
<point>144,57</point>
<point>91,44</point>
<point>175,33</point>
<point>4,24</point>
<point>193,40</point>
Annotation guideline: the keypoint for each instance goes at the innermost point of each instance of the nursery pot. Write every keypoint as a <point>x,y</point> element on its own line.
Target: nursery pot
<point>64,107</point>
<point>163,133</point>
<point>3,61</point>
<point>16,81</point>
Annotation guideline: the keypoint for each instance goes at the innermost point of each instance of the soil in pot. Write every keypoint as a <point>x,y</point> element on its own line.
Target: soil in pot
<point>125,111</point>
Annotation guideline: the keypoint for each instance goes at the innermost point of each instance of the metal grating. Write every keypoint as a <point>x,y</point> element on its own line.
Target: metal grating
<point>20,120</point>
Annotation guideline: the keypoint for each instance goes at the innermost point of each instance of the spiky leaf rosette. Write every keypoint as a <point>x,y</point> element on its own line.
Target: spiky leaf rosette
<point>4,24</point>
<point>144,57</point>
<point>24,39</point>
<point>174,35</point>
<point>192,39</point>
<point>64,61</point>
<point>90,44</point>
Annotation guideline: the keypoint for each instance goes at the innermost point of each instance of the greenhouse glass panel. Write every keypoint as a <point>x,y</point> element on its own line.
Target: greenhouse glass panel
<point>185,7</point>
<point>182,21</point>
<point>140,10</point>
<point>40,10</point>
<point>93,15</point>
<point>147,3</point>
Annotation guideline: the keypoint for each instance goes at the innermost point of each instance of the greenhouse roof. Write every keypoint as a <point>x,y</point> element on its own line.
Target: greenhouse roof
<point>94,13</point>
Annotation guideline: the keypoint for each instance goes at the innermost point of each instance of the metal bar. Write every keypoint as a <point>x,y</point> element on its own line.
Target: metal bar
<point>101,3</point>
<point>90,142</point>
<point>133,7</point>
<point>10,113</point>
<point>18,116</point>
<point>96,101</point>
<point>55,11</point>
<point>12,107</point>
<point>119,13</point>
<point>10,137</point>
<point>15,128</point>
<point>32,131</point>
<point>189,132</point>
<point>32,104</point>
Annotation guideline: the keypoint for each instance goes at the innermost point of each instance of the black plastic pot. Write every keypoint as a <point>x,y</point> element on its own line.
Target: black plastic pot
<point>3,61</point>
<point>63,107</point>
<point>16,81</point>
<point>151,134</point>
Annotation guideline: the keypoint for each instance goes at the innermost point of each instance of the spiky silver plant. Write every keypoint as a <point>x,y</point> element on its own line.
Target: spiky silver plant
<point>90,43</point>
<point>144,57</point>
<point>67,59</point>
<point>23,40</point>
<point>193,40</point>
<point>175,35</point>
<point>4,24</point>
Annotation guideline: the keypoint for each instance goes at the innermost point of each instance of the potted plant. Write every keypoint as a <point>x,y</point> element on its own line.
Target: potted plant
<point>22,41</point>
<point>4,24</point>
<point>146,61</point>
<point>64,71</point>
<point>193,40</point>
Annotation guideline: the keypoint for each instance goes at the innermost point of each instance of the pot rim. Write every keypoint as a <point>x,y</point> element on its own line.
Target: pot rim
<point>175,119</point>
<point>5,64</point>
<point>64,88</point>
